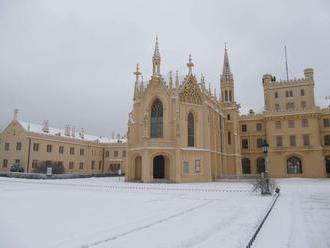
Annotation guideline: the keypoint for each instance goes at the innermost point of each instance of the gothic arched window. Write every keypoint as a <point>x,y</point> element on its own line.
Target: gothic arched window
<point>294,165</point>
<point>191,130</point>
<point>156,119</point>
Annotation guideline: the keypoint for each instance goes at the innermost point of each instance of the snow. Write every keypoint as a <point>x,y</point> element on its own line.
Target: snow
<point>301,216</point>
<point>106,212</point>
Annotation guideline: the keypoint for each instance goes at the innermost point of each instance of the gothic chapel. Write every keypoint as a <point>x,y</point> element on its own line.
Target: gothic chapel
<point>181,131</point>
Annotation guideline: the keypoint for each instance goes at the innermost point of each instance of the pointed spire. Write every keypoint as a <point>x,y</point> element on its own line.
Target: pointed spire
<point>177,79</point>
<point>226,72</point>
<point>156,60</point>
<point>190,65</point>
<point>141,84</point>
<point>171,80</point>
<point>137,74</point>
<point>215,92</point>
<point>210,92</point>
<point>203,81</point>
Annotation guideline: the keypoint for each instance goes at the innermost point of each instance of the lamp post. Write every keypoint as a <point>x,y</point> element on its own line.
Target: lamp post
<point>265,187</point>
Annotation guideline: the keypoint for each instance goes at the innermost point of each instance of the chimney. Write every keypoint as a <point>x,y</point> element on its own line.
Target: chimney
<point>73,131</point>
<point>67,130</point>
<point>45,127</point>
<point>82,133</point>
<point>15,114</point>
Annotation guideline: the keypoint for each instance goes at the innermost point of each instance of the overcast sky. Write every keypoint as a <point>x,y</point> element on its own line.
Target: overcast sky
<point>72,62</point>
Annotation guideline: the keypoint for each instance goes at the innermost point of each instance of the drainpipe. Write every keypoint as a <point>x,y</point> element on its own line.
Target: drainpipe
<point>29,152</point>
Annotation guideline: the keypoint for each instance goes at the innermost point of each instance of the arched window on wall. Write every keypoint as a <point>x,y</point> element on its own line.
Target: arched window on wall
<point>191,130</point>
<point>260,165</point>
<point>156,119</point>
<point>230,98</point>
<point>294,165</point>
<point>226,96</point>
<point>246,166</point>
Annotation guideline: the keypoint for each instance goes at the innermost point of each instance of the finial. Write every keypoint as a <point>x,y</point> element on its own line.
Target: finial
<point>190,64</point>
<point>171,80</point>
<point>15,114</point>
<point>225,46</point>
<point>156,60</point>
<point>177,79</point>
<point>137,73</point>
<point>210,92</point>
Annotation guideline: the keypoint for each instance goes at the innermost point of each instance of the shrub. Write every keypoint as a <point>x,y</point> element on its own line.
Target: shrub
<point>57,167</point>
<point>16,168</point>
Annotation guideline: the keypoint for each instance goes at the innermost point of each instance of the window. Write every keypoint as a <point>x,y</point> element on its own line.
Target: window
<point>327,140</point>
<point>228,117</point>
<point>230,98</point>
<point>82,152</point>
<point>197,166</point>
<point>35,147</point>
<point>276,94</point>
<point>290,105</point>
<point>157,119</point>
<point>107,154</point>
<point>246,167</point>
<point>229,138</point>
<point>81,165</point>
<point>259,142</point>
<point>303,104</point>
<point>306,140</point>
<point>292,140</point>
<point>5,163</point>
<point>294,165</point>
<point>261,165</point>
<point>49,148</point>
<point>291,124</point>
<point>304,122</point>
<point>124,154</point>
<point>302,92</point>
<point>245,144</point>
<point>34,164</point>
<point>72,150</point>
<point>114,168</point>
<point>100,165</point>
<point>191,130</point>
<point>71,164</point>
<point>279,141</point>
<point>186,167</point>
<point>278,124</point>
<point>289,93</point>
<point>277,107</point>
<point>17,161</point>
<point>326,122</point>
<point>6,146</point>
<point>115,154</point>
<point>93,165</point>
<point>226,96</point>
<point>18,146</point>
<point>258,126</point>
<point>61,149</point>
<point>244,128</point>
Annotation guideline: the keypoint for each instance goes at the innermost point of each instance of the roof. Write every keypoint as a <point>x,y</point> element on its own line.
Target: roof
<point>37,128</point>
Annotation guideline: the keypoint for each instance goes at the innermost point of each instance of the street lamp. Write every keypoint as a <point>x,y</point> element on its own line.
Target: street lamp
<point>265,178</point>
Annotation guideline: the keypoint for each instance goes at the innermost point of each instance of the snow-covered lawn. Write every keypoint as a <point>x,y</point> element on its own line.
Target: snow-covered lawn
<point>102,212</point>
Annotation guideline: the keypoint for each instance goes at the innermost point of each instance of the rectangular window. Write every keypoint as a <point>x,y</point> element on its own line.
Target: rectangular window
<point>303,104</point>
<point>5,163</point>
<point>304,122</point>
<point>72,150</point>
<point>34,164</point>
<point>6,146</point>
<point>17,161</point>
<point>291,124</point>
<point>276,94</point>
<point>306,140</point>
<point>244,128</point>
<point>124,154</point>
<point>18,146</point>
<point>326,122</point>
<point>71,164</point>
<point>290,105</point>
<point>61,149</point>
<point>82,152</point>
<point>186,167</point>
<point>259,126</point>
<point>93,165</point>
<point>327,140</point>
<point>115,154</point>
<point>81,165</point>
<point>49,148</point>
<point>198,166</point>
<point>302,92</point>
<point>259,142</point>
<point>245,144</point>
<point>279,141</point>
<point>100,165</point>
<point>229,138</point>
<point>107,154</point>
<point>35,147</point>
<point>292,140</point>
<point>278,124</point>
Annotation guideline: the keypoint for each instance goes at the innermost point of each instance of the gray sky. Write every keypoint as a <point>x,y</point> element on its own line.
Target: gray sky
<point>72,62</point>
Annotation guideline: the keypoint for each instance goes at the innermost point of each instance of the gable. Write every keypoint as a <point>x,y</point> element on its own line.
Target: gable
<point>190,91</point>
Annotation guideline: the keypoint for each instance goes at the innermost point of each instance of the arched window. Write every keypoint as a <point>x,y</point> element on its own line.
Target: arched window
<point>156,119</point>
<point>246,167</point>
<point>230,98</point>
<point>294,165</point>
<point>191,130</point>
<point>229,138</point>
<point>226,96</point>
<point>260,165</point>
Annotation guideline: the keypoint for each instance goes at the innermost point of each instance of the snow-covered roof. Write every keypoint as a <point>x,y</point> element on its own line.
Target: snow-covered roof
<point>37,128</point>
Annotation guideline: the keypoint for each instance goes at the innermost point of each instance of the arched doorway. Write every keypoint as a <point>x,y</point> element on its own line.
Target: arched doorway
<point>261,165</point>
<point>138,168</point>
<point>246,166</point>
<point>159,167</point>
<point>327,165</point>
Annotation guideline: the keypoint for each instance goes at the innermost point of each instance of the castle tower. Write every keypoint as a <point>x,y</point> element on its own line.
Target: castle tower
<point>227,81</point>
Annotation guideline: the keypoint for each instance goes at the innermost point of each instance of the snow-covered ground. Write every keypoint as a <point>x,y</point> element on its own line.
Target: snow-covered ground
<point>106,212</point>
